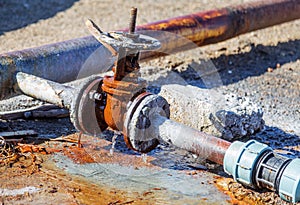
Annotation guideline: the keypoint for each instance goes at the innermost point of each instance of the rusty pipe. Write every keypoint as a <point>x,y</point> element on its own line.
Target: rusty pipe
<point>184,137</point>
<point>214,26</point>
<point>147,122</point>
<point>252,164</point>
<point>61,62</point>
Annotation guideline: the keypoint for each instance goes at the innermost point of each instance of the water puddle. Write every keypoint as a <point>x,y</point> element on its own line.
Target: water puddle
<point>172,185</point>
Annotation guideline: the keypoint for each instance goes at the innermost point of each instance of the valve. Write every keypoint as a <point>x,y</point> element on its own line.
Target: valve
<point>125,91</point>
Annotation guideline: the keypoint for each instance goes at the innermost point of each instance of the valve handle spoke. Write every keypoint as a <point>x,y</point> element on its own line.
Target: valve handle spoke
<point>100,36</point>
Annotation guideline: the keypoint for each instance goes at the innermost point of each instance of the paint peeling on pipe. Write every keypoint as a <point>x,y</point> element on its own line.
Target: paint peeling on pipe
<point>61,62</point>
<point>45,90</point>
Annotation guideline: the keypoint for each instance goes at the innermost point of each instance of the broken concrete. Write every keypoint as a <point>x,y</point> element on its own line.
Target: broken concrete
<point>228,116</point>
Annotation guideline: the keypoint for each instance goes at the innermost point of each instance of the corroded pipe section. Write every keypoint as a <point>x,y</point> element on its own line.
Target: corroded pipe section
<point>61,62</point>
<point>82,97</point>
<point>214,26</point>
<point>184,137</point>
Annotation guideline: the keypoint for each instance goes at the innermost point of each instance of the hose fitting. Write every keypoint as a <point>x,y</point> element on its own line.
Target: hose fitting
<point>255,165</point>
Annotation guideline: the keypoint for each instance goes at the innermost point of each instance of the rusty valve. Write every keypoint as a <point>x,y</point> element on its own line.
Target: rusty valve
<point>121,89</point>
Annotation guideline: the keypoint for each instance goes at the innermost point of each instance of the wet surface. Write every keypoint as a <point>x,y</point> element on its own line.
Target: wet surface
<point>177,187</point>
<point>163,169</point>
<point>164,176</point>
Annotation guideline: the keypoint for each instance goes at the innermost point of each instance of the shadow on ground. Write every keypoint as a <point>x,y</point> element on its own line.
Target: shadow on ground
<point>15,14</point>
<point>279,140</point>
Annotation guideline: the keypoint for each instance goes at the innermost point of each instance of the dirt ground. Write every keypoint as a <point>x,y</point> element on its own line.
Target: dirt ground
<point>263,65</point>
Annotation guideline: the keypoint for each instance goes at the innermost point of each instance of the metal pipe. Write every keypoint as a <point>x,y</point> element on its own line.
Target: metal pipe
<point>61,62</point>
<point>147,123</point>
<point>45,90</point>
<point>184,137</point>
<point>214,26</point>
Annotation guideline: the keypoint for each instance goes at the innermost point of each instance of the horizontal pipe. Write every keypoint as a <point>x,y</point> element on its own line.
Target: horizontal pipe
<point>204,145</point>
<point>59,62</point>
<point>62,62</point>
<point>179,135</point>
<point>45,90</point>
<point>61,95</point>
<point>214,26</point>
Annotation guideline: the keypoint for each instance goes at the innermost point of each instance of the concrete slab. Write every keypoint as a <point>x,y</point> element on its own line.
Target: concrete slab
<point>228,116</point>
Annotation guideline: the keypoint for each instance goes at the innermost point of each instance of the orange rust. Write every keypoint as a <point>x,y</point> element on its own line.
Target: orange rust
<point>119,93</point>
<point>25,148</point>
<point>217,25</point>
<point>59,187</point>
<point>239,195</point>
<point>191,29</point>
<point>116,102</point>
<point>222,184</point>
<point>190,24</point>
<point>124,84</point>
<point>98,152</point>
<point>78,155</point>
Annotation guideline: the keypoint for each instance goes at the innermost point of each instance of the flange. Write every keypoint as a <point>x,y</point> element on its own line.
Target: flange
<point>87,111</point>
<point>139,134</point>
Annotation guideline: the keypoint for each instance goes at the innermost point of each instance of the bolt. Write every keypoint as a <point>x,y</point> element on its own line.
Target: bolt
<point>146,111</point>
<point>95,95</point>
<point>132,22</point>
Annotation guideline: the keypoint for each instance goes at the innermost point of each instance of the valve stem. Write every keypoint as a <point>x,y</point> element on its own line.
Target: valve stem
<point>132,21</point>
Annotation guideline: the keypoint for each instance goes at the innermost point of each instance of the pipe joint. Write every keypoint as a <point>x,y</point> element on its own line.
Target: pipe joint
<point>140,125</point>
<point>256,165</point>
<point>240,160</point>
<point>289,185</point>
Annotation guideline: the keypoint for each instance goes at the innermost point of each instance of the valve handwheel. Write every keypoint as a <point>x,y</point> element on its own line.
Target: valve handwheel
<point>116,40</point>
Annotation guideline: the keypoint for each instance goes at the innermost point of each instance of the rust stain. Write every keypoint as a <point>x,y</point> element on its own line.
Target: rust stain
<point>78,155</point>
<point>25,148</point>
<point>59,187</point>
<point>96,150</point>
<point>223,185</point>
<point>242,196</point>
